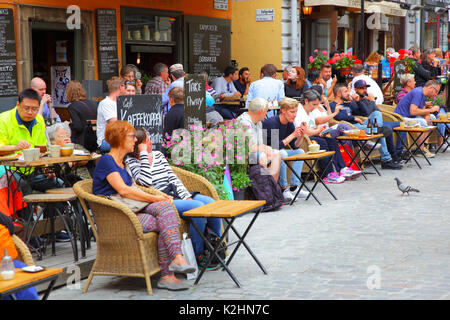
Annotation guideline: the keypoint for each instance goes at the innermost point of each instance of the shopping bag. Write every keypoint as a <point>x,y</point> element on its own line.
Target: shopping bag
<point>347,159</point>
<point>188,252</point>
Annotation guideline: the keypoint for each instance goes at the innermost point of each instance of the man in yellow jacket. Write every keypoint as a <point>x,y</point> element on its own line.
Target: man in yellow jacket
<point>21,128</point>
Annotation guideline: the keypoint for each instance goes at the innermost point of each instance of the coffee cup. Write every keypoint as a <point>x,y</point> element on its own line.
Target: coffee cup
<point>36,153</point>
<point>314,147</point>
<point>66,151</point>
<point>42,147</point>
<point>55,151</point>
<point>442,116</point>
<point>28,154</point>
<point>69,145</point>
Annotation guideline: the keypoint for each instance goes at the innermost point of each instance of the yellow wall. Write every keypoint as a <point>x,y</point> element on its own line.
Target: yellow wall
<point>253,44</point>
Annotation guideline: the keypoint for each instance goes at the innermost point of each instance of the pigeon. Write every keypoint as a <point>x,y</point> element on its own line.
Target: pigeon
<point>404,188</point>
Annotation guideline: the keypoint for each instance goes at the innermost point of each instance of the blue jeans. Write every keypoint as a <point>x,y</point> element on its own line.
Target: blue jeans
<point>214,223</point>
<point>297,166</point>
<point>384,152</point>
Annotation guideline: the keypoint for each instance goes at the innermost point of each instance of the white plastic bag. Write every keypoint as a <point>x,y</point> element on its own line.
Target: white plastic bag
<point>188,252</point>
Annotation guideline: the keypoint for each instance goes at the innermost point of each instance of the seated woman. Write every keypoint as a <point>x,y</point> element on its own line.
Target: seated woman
<point>310,100</point>
<point>150,168</point>
<point>59,134</point>
<point>295,84</point>
<point>111,177</point>
<point>408,83</point>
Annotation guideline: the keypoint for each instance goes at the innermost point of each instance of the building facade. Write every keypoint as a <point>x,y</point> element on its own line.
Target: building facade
<point>96,38</point>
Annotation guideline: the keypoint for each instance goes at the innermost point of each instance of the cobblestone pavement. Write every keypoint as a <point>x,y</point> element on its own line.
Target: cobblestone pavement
<point>372,243</point>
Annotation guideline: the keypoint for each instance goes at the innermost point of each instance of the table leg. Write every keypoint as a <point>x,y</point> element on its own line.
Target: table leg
<point>319,178</point>
<point>303,181</point>
<point>420,145</point>
<point>241,241</point>
<point>408,149</point>
<point>49,289</point>
<point>214,252</point>
<point>447,135</point>
<point>367,155</point>
<point>352,159</point>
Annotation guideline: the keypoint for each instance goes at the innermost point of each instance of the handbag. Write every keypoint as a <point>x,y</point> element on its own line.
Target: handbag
<point>188,252</point>
<point>134,205</point>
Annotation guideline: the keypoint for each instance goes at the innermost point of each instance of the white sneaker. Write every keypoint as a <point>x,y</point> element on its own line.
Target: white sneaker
<point>287,194</point>
<point>370,144</point>
<point>303,194</point>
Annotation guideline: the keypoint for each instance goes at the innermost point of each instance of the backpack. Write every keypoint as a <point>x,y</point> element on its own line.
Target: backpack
<point>264,187</point>
<point>90,137</point>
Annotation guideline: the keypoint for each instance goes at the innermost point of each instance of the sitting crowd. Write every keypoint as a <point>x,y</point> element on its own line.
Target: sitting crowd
<point>308,105</point>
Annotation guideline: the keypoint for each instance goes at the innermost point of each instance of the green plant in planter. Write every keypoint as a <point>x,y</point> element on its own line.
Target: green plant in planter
<point>145,78</point>
<point>207,152</point>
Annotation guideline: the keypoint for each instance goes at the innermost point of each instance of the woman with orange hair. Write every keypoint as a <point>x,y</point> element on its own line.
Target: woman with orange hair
<point>296,83</point>
<point>111,177</point>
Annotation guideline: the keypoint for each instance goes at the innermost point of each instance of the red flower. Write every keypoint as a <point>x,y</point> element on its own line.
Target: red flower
<point>357,61</point>
<point>401,56</point>
<point>391,59</point>
<point>355,57</point>
<point>401,51</point>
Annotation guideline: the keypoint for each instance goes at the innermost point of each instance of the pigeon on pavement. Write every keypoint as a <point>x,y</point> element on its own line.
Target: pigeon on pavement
<point>405,188</point>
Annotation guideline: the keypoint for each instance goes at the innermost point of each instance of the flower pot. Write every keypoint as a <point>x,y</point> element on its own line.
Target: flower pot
<point>345,71</point>
<point>239,194</point>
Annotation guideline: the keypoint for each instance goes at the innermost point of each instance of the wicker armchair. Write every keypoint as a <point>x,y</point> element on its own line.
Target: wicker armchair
<point>122,247</point>
<point>23,251</point>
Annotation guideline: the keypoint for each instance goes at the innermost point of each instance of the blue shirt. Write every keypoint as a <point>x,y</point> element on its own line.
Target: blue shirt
<point>223,87</point>
<point>104,167</point>
<point>284,130</point>
<point>416,97</point>
<point>239,86</point>
<point>177,83</point>
<point>46,113</point>
<point>29,125</point>
<point>267,88</point>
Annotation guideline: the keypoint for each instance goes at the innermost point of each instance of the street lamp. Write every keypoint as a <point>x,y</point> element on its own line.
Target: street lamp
<point>307,10</point>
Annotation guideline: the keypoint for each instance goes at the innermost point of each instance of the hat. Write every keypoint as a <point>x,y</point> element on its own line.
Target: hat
<point>175,67</point>
<point>360,84</point>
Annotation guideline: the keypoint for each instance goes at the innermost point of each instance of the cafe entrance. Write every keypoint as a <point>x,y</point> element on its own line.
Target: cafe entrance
<point>149,37</point>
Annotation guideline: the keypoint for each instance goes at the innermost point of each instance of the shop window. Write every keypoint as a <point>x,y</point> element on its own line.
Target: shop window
<point>149,28</point>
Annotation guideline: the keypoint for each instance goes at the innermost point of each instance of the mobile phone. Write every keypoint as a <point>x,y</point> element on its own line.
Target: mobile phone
<point>33,269</point>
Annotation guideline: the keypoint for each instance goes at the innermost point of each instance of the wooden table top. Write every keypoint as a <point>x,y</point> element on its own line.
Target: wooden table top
<point>224,208</point>
<point>414,129</point>
<point>45,161</point>
<point>309,156</point>
<point>22,278</point>
<point>357,138</point>
<point>441,120</point>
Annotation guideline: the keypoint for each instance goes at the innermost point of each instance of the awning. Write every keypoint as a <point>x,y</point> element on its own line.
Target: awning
<point>385,7</point>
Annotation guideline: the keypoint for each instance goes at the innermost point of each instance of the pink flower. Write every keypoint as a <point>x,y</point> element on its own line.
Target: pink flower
<point>348,54</point>
<point>324,52</point>
<point>315,51</point>
<point>311,59</point>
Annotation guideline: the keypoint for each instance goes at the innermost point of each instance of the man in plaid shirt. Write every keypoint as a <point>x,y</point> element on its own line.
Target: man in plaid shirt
<point>160,82</point>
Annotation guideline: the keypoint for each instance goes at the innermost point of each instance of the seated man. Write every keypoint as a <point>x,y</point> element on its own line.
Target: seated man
<point>21,128</point>
<point>356,107</point>
<point>373,88</point>
<point>224,87</point>
<point>107,110</point>
<point>281,132</point>
<point>414,106</point>
<point>243,82</point>
<point>46,109</point>
<point>262,154</point>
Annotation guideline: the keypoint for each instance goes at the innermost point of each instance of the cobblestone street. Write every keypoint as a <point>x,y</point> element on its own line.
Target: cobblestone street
<point>373,243</point>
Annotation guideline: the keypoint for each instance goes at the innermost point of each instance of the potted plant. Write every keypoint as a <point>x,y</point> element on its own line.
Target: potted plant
<point>404,55</point>
<point>207,153</point>
<point>318,60</point>
<point>345,62</point>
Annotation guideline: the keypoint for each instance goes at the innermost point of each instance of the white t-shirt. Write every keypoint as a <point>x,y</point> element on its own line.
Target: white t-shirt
<point>373,89</point>
<point>107,109</point>
<point>316,113</point>
<point>302,116</point>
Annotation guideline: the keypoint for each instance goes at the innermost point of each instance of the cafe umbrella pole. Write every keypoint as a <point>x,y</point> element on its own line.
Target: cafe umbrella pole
<point>361,51</point>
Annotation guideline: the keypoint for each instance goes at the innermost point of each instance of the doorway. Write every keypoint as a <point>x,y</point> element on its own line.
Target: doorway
<point>51,48</point>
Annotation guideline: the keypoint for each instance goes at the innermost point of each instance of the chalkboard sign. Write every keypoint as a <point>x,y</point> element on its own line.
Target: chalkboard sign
<point>194,100</point>
<point>209,48</point>
<point>8,64</point>
<point>108,62</point>
<point>143,110</point>
<point>399,69</point>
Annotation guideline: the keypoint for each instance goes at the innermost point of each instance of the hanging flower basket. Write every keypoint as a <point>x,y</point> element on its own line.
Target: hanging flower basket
<point>345,71</point>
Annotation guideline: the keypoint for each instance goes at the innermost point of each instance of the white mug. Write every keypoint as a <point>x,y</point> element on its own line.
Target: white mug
<point>55,151</point>
<point>28,154</point>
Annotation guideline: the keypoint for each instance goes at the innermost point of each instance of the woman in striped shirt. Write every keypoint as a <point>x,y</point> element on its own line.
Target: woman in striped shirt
<point>150,168</point>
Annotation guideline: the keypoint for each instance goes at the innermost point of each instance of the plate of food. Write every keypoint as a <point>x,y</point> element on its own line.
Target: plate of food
<point>318,151</point>
<point>352,132</point>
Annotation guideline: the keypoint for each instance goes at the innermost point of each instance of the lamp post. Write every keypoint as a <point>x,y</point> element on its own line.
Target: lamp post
<point>363,26</point>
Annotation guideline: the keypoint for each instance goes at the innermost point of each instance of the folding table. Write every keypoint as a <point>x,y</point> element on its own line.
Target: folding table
<point>360,143</point>
<point>420,132</point>
<point>229,211</point>
<point>316,156</point>
<point>447,133</point>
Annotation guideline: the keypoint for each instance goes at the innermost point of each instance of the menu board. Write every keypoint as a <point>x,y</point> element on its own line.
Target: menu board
<point>143,110</point>
<point>399,69</point>
<point>209,48</point>
<point>8,64</point>
<point>108,62</point>
<point>194,100</point>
